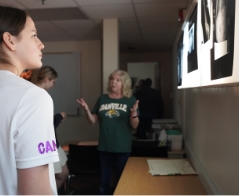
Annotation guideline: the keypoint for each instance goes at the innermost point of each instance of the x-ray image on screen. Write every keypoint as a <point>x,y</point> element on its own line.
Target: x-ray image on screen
<point>206,20</point>
<point>223,38</point>
<point>192,42</point>
<point>191,35</point>
<point>180,48</point>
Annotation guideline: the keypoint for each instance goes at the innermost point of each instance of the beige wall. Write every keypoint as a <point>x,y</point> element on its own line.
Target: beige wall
<point>165,60</point>
<point>77,128</point>
<point>211,131</point>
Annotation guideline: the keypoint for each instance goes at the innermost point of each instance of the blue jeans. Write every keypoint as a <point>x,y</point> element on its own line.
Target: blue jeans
<point>109,160</point>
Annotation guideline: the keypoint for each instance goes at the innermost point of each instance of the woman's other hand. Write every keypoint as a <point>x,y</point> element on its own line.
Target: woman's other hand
<point>134,108</point>
<point>63,114</point>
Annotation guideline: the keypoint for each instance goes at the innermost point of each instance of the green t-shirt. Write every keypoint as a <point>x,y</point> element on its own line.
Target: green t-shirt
<point>114,121</point>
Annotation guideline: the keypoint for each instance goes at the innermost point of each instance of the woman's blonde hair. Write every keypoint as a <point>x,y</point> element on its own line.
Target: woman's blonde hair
<point>126,81</point>
<point>38,75</point>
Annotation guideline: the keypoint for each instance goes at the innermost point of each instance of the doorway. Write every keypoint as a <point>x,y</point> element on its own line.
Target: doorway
<point>143,70</point>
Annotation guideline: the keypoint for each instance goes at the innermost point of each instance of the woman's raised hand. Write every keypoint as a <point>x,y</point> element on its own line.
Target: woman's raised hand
<point>83,104</point>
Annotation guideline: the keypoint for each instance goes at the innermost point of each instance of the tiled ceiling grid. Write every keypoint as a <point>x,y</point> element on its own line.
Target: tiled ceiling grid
<point>144,25</point>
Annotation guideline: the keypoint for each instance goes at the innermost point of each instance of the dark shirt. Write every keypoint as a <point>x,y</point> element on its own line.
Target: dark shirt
<point>150,102</point>
<point>57,120</point>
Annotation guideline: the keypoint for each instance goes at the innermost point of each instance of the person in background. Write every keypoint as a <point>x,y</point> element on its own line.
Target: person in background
<point>117,113</point>
<point>27,140</point>
<point>139,86</point>
<point>45,77</point>
<point>150,106</point>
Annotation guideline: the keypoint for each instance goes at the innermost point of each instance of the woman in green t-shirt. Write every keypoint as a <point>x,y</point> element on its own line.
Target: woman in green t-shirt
<point>117,113</point>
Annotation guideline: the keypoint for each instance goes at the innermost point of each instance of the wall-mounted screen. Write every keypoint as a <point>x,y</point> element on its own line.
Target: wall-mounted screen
<point>218,57</point>
<point>180,48</point>
<point>191,75</point>
<point>223,38</point>
<point>192,42</point>
<point>206,15</point>
<point>205,37</point>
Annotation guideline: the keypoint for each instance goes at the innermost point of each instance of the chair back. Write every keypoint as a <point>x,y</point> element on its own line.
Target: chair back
<point>148,149</point>
<point>83,159</point>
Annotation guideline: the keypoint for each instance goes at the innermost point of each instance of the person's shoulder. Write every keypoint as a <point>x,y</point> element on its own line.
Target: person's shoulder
<point>13,80</point>
<point>31,91</point>
<point>139,92</point>
<point>27,88</point>
<point>21,82</point>
<point>104,96</point>
<point>40,93</point>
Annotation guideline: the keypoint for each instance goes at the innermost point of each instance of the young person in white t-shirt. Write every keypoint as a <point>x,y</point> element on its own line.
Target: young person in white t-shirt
<point>27,141</point>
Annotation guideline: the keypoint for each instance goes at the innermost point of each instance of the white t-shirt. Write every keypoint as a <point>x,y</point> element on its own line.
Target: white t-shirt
<point>27,136</point>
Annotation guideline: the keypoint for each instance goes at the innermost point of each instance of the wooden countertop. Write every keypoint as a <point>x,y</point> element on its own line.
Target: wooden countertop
<point>136,180</point>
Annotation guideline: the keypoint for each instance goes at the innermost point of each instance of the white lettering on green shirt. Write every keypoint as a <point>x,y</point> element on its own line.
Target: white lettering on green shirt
<point>113,106</point>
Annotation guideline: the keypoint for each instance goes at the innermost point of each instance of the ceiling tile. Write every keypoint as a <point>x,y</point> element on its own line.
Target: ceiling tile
<point>130,36</point>
<point>12,3</point>
<point>93,34</point>
<point>37,4</point>
<point>56,14</point>
<point>109,11</point>
<point>128,19</point>
<point>157,22</point>
<point>52,36</point>
<point>158,9</point>
<point>77,25</point>
<point>125,47</point>
<point>185,2</point>
<point>158,39</point>
<point>102,2</point>
<point>165,30</point>
<point>128,24</point>
<point>45,26</point>
<point>99,23</point>
<point>155,28</point>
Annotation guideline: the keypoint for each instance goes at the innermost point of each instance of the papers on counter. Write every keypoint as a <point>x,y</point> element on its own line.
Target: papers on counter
<point>170,167</point>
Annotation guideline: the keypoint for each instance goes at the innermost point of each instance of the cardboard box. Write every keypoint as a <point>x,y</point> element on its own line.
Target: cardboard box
<point>175,141</point>
<point>176,145</point>
<point>175,138</point>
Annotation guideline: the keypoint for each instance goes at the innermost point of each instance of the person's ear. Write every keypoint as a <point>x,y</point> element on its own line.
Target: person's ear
<point>9,40</point>
<point>46,79</point>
